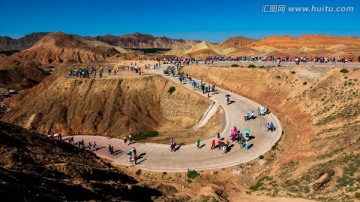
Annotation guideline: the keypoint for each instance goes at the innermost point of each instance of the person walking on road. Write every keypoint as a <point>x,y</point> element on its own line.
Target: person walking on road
<point>213,144</point>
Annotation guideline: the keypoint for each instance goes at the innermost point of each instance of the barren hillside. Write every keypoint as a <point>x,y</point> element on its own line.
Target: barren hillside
<point>34,168</point>
<point>319,109</point>
<point>57,47</point>
<point>311,45</point>
<point>117,105</point>
<point>236,42</point>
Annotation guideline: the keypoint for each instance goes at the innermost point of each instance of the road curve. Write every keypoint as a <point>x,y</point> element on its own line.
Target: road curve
<point>157,157</point>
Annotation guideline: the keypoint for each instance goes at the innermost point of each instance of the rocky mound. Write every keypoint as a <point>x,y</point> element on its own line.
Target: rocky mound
<point>34,168</point>
<point>93,106</point>
<point>236,42</point>
<point>202,50</point>
<point>57,47</point>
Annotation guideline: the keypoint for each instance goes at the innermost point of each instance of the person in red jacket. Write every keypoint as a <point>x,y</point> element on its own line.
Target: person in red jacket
<point>219,144</point>
<point>213,144</point>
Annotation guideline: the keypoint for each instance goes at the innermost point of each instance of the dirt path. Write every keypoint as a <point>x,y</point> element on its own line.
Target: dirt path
<point>158,157</point>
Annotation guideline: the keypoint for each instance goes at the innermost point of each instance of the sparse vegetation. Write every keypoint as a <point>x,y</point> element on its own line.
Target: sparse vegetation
<point>171,90</point>
<point>235,65</point>
<point>274,146</point>
<point>261,157</point>
<point>145,135</point>
<point>251,66</point>
<point>344,70</point>
<point>357,195</point>
<point>208,199</point>
<point>304,83</point>
<point>277,77</point>
<point>260,183</point>
<point>138,172</point>
<point>347,179</point>
<point>9,52</point>
<point>292,72</point>
<point>192,174</point>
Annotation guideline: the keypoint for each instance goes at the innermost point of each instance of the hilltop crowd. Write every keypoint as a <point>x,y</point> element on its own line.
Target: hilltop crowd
<point>178,61</point>
<point>93,72</point>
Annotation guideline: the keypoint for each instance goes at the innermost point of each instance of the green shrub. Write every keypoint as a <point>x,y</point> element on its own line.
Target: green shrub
<point>171,89</point>
<point>235,65</point>
<point>251,66</point>
<point>138,172</point>
<point>305,83</point>
<point>261,157</point>
<point>143,136</point>
<point>344,70</point>
<point>262,66</point>
<point>259,183</point>
<point>277,76</point>
<point>293,72</point>
<point>357,195</point>
<point>192,174</point>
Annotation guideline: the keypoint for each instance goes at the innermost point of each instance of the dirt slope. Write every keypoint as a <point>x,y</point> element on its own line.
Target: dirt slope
<point>319,109</point>
<point>19,76</point>
<point>117,105</point>
<point>35,168</point>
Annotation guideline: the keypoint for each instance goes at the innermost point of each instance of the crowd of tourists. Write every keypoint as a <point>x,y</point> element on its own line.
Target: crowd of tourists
<point>178,61</point>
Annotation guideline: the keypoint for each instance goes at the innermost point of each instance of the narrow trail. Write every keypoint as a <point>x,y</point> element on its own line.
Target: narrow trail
<point>158,157</point>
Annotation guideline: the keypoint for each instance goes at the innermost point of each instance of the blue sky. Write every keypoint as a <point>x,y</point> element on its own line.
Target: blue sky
<point>188,19</point>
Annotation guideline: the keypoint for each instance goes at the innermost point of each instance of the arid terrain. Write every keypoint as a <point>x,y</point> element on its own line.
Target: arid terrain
<point>36,168</point>
<point>118,105</point>
<point>317,157</point>
<point>318,154</point>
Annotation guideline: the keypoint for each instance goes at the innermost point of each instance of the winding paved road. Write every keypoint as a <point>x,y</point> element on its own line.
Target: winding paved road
<point>157,157</point>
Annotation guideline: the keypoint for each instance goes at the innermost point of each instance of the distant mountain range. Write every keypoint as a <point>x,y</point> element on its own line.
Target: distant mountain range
<point>58,47</point>
<point>136,40</point>
<point>42,50</point>
<point>7,43</point>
